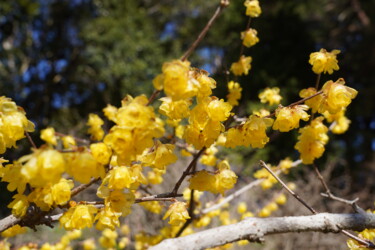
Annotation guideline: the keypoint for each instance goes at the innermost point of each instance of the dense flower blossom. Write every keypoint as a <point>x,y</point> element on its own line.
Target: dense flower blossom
<point>241,67</point>
<point>312,140</point>
<point>175,110</point>
<point>106,218</point>
<point>252,8</point>
<point>95,127</point>
<point>161,156</point>
<point>119,202</point>
<point>78,217</point>
<point>287,118</point>
<point>324,61</point>
<point>270,96</point>
<point>249,37</point>
<point>339,122</point>
<point>252,132</point>
<point>19,205</point>
<point>108,238</point>
<point>235,92</point>
<point>13,124</point>
<point>68,141</point>
<point>82,166</point>
<point>177,213</point>
<point>336,96</point>
<point>101,152</point>
<point>313,103</point>
<point>48,135</point>
<point>11,173</point>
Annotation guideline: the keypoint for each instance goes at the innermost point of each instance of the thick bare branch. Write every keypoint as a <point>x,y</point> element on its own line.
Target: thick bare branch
<point>254,229</point>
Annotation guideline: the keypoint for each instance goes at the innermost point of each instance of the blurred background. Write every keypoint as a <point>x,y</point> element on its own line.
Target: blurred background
<point>62,59</point>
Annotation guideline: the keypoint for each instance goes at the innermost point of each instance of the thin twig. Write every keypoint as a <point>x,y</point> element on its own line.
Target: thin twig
<point>317,81</point>
<point>220,8</point>
<point>30,139</point>
<point>191,214</point>
<point>153,96</point>
<point>82,187</point>
<point>187,171</point>
<point>75,138</point>
<point>366,243</point>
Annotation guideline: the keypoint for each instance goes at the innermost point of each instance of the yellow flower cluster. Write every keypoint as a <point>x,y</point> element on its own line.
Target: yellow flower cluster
<point>161,156</point>
<point>177,213</point>
<point>252,132</point>
<point>252,8</point>
<point>268,181</point>
<point>340,123</point>
<point>368,234</point>
<point>205,122</point>
<point>175,110</point>
<point>324,61</point>
<point>13,124</point>
<point>249,37</point>
<point>235,92</point>
<point>95,127</point>
<point>313,103</point>
<point>48,135</point>
<point>136,126</point>
<point>241,67</point>
<point>270,96</point>
<point>78,217</point>
<point>219,182</point>
<point>287,118</point>
<point>312,140</point>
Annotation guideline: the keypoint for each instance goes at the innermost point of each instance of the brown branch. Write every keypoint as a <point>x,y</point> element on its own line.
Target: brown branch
<point>153,97</point>
<point>30,139</point>
<point>75,138</point>
<point>366,243</point>
<point>187,171</point>
<point>82,187</point>
<point>220,8</point>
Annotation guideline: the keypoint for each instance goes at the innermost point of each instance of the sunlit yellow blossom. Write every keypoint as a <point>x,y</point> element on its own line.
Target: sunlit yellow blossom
<point>241,207</point>
<point>110,112</point>
<point>107,218</point>
<point>261,112</point>
<point>43,166</point>
<point>13,124</point>
<point>252,8</point>
<point>241,67</point>
<point>272,206</point>
<point>313,103</point>
<point>176,82</point>
<point>161,156</point>
<point>324,61</point>
<point>155,176</point>
<point>205,83</point>
<point>281,199</point>
<point>264,212</point>
<point>68,141</point>
<point>202,181</point>
<point>312,140</point>
<point>234,94</point>
<point>48,135</point>
<point>101,152</point>
<point>78,217</point>
<point>89,244</point>
<point>203,221</point>
<point>225,179</point>
<point>247,215</point>
<point>252,132</point>
<point>336,96</point>
<point>177,213</point>
<point>287,118</point>
<point>108,238</point>
<point>13,231</point>
<point>152,206</point>
<point>175,110</point>
<point>11,173</point>
<point>61,191</point>
<point>285,165</point>
<point>208,158</point>
<point>95,127</point>
<point>270,96</point>
<point>218,110</point>
<point>269,180</point>
<point>83,166</point>
<point>340,123</point>
<point>19,205</point>
<point>120,202</point>
<point>249,37</point>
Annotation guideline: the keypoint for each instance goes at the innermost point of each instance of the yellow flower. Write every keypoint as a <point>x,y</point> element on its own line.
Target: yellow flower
<point>95,127</point>
<point>177,213</point>
<point>155,176</point>
<point>285,165</point>
<point>78,217</point>
<point>13,124</point>
<point>249,37</point>
<point>340,123</point>
<point>83,166</point>
<point>313,103</point>
<point>12,173</point>
<point>152,206</point>
<point>324,61</point>
<point>241,207</point>
<point>19,205</point>
<point>48,135</point>
<point>241,67</point>
<point>205,83</point>
<point>218,110</point>
<point>108,238</point>
<point>225,179</point>
<point>175,110</point>
<point>202,181</point>
<point>161,156</point>
<point>106,218</point>
<point>281,199</point>
<point>110,112</point>
<point>264,212</point>
<point>312,140</point>
<point>287,118</point>
<point>68,141</point>
<point>270,95</point>
<point>61,191</point>
<point>13,231</point>
<point>120,202</point>
<point>101,152</point>
<point>252,132</point>
<point>89,244</point>
<point>336,96</point>
<point>234,94</point>
<point>252,8</point>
